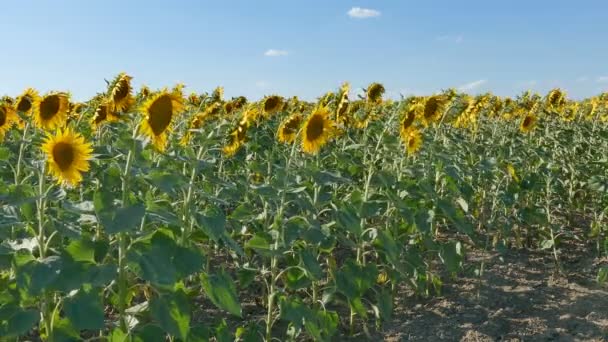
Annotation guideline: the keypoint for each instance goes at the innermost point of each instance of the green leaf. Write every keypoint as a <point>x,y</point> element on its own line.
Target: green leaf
<point>123,219</point>
<point>452,256</point>
<point>353,280</point>
<point>311,264</point>
<point>20,322</point>
<point>85,309</point>
<point>221,290</point>
<point>188,261</point>
<point>602,275</point>
<point>172,312</point>
<point>199,333</point>
<point>81,250</point>
<point>149,333</point>
<point>349,220</point>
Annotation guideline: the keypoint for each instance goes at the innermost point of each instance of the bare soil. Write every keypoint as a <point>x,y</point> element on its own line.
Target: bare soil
<point>521,297</point>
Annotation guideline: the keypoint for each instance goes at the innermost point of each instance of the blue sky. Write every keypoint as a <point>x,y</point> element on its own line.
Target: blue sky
<point>257,47</point>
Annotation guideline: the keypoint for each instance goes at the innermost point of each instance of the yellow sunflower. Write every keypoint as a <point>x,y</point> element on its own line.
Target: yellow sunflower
<point>8,117</point>
<point>236,138</point>
<point>412,141</point>
<point>144,91</point>
<point>407,121</point>
<point>272,104</point>
<point>218,94</point>
<point>68,156</point>
<point>318,130</point>
<point>288,130</point>
<point>570,112</point>
<point>159,111</point>
<point>555,100</point>
<point>25,101</point>
<point>528,123</point>
<point>121,97</point>
<point>374,93</point>
<point>434,107</point>
<point>194,100</point>
<point>103,113</point>
<point>342,108</point>
<point>51,111</point>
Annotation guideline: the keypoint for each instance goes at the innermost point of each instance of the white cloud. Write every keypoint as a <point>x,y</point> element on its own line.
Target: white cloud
<point>472,85</point>
<point>602,79</point>
<point>261,84</point>
<point>275,53</point>
<point>456,39</point>
<point>362,13</point>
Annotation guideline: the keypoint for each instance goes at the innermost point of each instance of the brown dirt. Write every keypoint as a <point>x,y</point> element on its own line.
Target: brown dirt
<point>521,298</point>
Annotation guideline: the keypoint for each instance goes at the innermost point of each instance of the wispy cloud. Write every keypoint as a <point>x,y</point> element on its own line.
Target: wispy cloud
<point>276,53</point>
<point>261,84</point>
<point>363,13</point>
<point>582,79</point>
<point>457,39</point>
<point>602,79</point>
<point>472,85</point>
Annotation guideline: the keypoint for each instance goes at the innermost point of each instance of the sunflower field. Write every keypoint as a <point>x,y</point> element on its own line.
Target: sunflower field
<point>152,215</point>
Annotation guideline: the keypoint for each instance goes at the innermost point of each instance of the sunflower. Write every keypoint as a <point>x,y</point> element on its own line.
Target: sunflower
<point>68,156</point>
<point>412,140</point>
<point>75,109</point>
<point>528,123</point>
<point>272,104</point>
<point>121,98</point>
<point>374,93</point>
<point>103,113</point>
<point>342,108</point>
<point>433,109</point>
<point>570,112</point>
<point>408,119</point>
<point>194,100</point>
<point>289,128</point>
<point>318,129</point>
<point>25,101</point>
<point>555,99</point>
<point>236,138</point>
<point>144,91</point>
<point>51,111</point>
<point>159,111</point>
<point>8,117</point>
<point>239,102</point>
<point>218,94</point>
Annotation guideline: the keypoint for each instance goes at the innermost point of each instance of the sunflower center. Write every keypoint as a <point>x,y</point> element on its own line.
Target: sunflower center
<point>431,108</point>
<point>49,107</point>
<point>160,114</point>
<point>24,105</point>
<point>527,121</point>
<point>315,127</point>
<point>121,91</point>
<point>2,117</point>
<point>271,104</point>
<point>291,126</point>
<point>409,120</point>
<point>63,155</point>
<point>100,114</point>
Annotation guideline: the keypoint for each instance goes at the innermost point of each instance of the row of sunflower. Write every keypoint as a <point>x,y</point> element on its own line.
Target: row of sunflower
<point>315,124</point>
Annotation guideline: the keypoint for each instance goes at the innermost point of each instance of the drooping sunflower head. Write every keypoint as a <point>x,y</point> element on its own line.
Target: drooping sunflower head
<point>159,112</point>
<point>342,108</point>
<point>412,141</point>
<point>272,104</point>
<point>67,156</point>
<point>318,130</point>
<point>236,138</point>
<point>555,99</point>
<point>103,113</point>
<point>76,108</point>
<point>8,117</point>
<point>51,111</point>
<point>408,118</point>
<point>144,91</point>
<point>194,99</point>
<point>528,123</point>
<point>374,93</point>
<point>434,107</point>
<point>288,130</point>
<point>239,102</point>
<point>25,101</point>
<point>570,112</point>
<point>120,94</point>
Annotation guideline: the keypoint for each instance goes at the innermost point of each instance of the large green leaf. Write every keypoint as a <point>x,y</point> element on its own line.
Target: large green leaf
<point>85,309</point>
<point>172,312</point>
<point>221,290</point>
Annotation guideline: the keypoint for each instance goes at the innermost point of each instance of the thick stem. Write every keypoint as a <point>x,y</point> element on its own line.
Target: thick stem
<point>122,249</point>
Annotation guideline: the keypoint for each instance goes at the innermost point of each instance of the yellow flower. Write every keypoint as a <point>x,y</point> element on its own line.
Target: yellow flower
<point>289,128</point>
<point>512,173</point>
<point>374,93</point>
<point>68,156</point>
<point>408,119</point>
<point>318,130</point>
<point>8,117</point>
<point>413,141</point>
<point>236,138</point>
<point>555,100</point>
<point>51,111</point>
<point>342,109</point>
<point>25,101</point>
<point>218,94</point>
<point>144,91</point>
<point>272,104</point>
<point>434,107</point>
<point>528,123</point>
<point>159,111</point>
<point>121,98</point>
<point>103,113</point>
<point>570,112</point>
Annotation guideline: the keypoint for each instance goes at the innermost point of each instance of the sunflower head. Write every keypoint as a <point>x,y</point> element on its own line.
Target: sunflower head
<point>103,113</point>
<point>528,123</point>
<point>194,99</point>
<point>408,118</point>
<point>570,112</point>
<point>288,130</point>
<point>159,112</point>
<point>7,99</point>
<point>374,93</point>
<point>120,93</point>
<point>272,104</point>
<point>317,131</point>
<point>218,94</point>
<point>25,101</point>
<point>413,141</point>
<point>144,91</point>
<point>434,107</point>
<point>67,156</point>
<point>236,138</point>
<point>8,117</point>
<point>51,111</point>
<point>239,102</point>
<point>555,99</point>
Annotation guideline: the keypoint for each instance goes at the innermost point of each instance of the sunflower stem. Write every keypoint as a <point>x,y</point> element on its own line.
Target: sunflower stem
<point>21,151</point>
<point>122,248</point>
